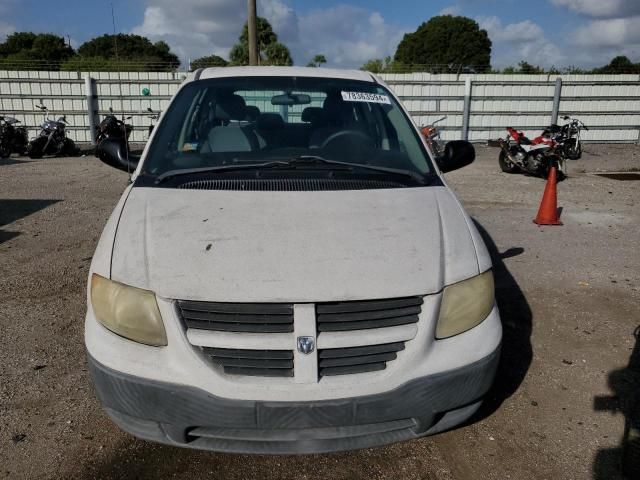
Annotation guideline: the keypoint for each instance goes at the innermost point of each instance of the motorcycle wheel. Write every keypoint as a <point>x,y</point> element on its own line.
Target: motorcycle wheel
<point>560,175</point>
<point>5,150</point>
<point>572,150</point>
<point>69,148</point>
<point>505,164</point>
<point>36,147</point>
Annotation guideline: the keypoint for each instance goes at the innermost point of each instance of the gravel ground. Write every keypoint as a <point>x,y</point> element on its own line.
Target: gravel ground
<point>568,295</point>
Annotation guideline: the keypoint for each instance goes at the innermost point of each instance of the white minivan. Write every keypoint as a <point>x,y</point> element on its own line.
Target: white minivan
<point>288,272</point>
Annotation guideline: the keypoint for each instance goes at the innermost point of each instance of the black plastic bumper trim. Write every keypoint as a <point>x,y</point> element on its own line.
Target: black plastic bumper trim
<point>166,412</point>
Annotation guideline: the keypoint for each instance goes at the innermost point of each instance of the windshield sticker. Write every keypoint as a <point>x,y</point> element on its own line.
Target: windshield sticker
<point>190,147</point>
<point>365,97</point>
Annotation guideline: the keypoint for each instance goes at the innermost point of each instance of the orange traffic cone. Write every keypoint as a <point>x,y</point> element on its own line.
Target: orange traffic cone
<point>548,212</point>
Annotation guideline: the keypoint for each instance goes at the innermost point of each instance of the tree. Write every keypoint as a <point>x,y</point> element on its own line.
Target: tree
<point>270,51</point>
<point>619,64</point>
<point>317,61</point>
<point>27,50</point>
<point>208,61</point>
<point>378,65</point>
<point>278,54</point>
<point>448,42</point>
<point>528,69</point>
<point>135,50</point>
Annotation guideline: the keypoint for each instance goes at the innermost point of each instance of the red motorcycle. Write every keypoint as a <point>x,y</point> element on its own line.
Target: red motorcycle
<point>534,157</point>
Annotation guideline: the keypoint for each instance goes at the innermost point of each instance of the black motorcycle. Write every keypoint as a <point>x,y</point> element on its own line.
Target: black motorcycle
<point>52,139</point>
<point>567,137</point>
<point>153,116</point>
<point>112,127</point>
<point>13,138</point>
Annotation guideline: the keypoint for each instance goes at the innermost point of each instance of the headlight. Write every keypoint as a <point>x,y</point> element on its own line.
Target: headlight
<point>128,311</point>
<point>465,305</point>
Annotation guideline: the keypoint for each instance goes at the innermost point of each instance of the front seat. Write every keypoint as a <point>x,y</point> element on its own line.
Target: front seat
<point>231,135</point>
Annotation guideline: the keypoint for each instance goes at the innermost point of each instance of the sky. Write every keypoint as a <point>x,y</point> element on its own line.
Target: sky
<point>557,33</point>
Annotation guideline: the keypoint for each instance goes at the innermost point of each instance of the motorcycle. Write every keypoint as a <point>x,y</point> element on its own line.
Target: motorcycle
<point>567,137</point>
<point>112,127</point>
<point>13,138</point>
<point>535,157</point>
<point>431,134</point>
<point>153,116</point>
<point>52,139</point>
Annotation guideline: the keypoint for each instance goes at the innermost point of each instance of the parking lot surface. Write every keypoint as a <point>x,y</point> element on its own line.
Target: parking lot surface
<point>569,298</point>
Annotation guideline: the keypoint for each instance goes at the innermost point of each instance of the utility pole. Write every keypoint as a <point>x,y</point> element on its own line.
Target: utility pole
<point>115,38</point>
<point>253,32</point>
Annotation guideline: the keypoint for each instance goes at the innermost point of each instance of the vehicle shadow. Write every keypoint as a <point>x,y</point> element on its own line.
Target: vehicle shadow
<point>11,161</point>
<point>625,384</point>
<point>6,236</point>
<point>13,210</point>
<point>516,316</point>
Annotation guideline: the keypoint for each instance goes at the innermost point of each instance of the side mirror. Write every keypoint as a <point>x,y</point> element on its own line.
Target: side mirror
<point>457,154</point>
<point>113,152</point>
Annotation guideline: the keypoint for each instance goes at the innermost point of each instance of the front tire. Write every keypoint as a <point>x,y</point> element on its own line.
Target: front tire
<point>69,148</point>
<point>5,150</point>
<point>35,149</point>
<point>505,164</point>
<point>572,149</point>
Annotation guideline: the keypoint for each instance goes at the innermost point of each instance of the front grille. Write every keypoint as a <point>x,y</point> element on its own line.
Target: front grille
<point>288,184</point>
<point>238,317</point>
<point>264,363</point>
<point>257,339</point>
<point>344,361</point>
<point>360,315</point>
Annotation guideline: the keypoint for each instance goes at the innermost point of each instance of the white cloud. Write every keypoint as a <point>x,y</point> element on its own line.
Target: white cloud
<point>614,30</point>
<point>348,36</point>
<point>453,10</point>
<point>525,31</point>
<point>194,27</point>
<point>518,41</point>
<point>601,8</point>
<point>6,29</point>
<point>609,33</point>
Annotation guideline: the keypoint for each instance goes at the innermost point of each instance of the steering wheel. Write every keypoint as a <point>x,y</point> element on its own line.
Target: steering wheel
<point>344,133</point>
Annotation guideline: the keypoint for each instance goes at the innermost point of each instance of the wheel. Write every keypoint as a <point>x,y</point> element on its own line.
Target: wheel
<point>505,164</point>
<point>5,150</point>
<point>36,147</point>
<point>572,149</point>
<point>631,441</point>
<point>560,175</point>
<point>69,148</point>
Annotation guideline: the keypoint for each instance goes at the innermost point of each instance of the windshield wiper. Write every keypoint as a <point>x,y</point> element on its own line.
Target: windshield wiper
<point>289,162</point>
<point>311,159</point>
<point>222,168</point>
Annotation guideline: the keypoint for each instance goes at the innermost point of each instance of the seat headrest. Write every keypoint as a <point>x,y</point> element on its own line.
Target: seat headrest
<point>231,107</point>
<point>269,121</point>
<point>333,105</point>
<point>253,113</point>
<point>313,114</point>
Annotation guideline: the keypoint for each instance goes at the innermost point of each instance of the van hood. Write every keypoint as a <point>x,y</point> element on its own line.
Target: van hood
<point>243,246</point>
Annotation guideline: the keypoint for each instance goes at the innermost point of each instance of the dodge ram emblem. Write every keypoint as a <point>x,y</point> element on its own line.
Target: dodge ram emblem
<point>306,345</point>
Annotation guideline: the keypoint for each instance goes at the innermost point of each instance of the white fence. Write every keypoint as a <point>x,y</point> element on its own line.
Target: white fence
<point>478,107</point>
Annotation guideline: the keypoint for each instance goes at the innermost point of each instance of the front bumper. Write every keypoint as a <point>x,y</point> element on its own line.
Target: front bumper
<point>189,417</point>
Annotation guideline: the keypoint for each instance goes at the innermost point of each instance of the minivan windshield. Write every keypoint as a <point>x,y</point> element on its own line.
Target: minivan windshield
<point>247,121</point>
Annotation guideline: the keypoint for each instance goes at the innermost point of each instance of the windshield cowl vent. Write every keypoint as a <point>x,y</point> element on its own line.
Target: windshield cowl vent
<point>288,185</point>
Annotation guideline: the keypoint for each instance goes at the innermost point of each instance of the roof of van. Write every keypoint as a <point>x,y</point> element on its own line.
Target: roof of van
<point>220,72</point>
